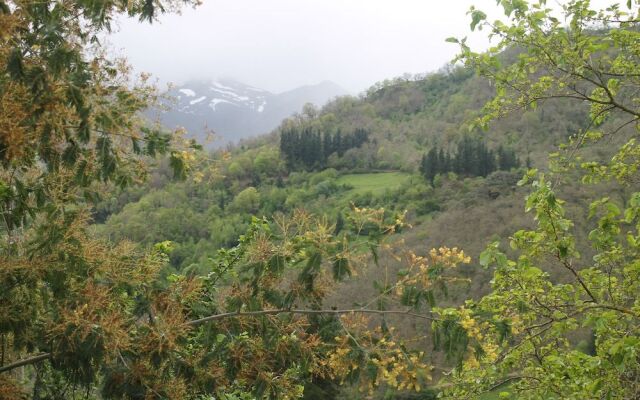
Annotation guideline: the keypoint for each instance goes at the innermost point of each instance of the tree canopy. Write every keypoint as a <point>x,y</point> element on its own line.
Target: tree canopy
<point>88,318</point>
<point>521,338</point>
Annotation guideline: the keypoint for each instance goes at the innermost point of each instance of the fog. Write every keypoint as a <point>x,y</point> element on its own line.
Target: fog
<point>281,44</point>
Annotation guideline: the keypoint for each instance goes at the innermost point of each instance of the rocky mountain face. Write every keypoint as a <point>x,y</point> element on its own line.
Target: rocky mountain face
<point>233,110</point>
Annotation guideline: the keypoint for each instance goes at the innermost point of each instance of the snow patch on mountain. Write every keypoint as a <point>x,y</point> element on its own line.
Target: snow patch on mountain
<point>214,102</point>
<point>188,92</point>
<point>198,100</point>
<point>221,86</point>
<point>235,110</point>
<point>231,94</point>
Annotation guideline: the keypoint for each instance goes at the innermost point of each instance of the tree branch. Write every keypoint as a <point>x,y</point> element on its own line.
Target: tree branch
<point>196,322</point>
<point>26,361</point>
<point>307,312</point>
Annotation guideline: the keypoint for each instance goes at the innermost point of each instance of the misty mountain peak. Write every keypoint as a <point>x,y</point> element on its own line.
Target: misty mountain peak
<point>234,110</point>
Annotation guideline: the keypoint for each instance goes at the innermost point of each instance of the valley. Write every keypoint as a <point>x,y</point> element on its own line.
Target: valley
<point>199,217</point>
<point>469,233</point>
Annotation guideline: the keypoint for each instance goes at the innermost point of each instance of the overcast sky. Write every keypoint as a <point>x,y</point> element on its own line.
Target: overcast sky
<point>281,44</point>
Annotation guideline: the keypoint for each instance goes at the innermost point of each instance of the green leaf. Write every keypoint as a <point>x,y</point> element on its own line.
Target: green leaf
<point>485,258</point>
<point>314,261</point>
<point>477,16</point>
<point>341,269</point>
<point>178,166</point>
<point>135,145</point>
<point>277,263</point>
<point>374,253</point>
<point>14,65</point>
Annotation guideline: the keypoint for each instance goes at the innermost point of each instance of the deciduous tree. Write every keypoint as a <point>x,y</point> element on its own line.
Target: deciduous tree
<point>521,337</point>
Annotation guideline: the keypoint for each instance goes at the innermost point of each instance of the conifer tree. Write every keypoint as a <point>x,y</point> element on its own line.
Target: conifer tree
<point>431,165</point>
<point>327,146</point>
<point>443,162</point>
<point>309,148</point>
<point>338,144</point>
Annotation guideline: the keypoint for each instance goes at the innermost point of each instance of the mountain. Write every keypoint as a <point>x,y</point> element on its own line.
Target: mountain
<point>404,120</point>
<point>234,110</point>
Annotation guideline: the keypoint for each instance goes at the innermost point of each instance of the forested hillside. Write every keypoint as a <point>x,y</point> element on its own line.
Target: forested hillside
<point>312,160</point>
<point>379,151</point>
<point>471,233</point>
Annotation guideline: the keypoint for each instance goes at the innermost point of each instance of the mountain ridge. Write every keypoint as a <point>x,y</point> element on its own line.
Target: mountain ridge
<point>233,110</point>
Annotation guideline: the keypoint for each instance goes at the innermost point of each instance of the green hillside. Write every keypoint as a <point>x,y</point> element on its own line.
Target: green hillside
<point>406,124</point>
<point>469,234</point>
<point>404,119</point>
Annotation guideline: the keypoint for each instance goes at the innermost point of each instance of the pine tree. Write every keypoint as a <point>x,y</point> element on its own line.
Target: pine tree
<point>338,143</point>
<point>431,164</point>
<point>423,165</point>
<point>327,145</point>
<point>443,162</point>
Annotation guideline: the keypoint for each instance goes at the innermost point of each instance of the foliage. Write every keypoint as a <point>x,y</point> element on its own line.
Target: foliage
<point>472,158</point>
<point>523,334</point>
<point>244,327</point>
<point>256,320</point>
<point>202,217</point>
<point>81,312</point>
<point>304,146</point>
<point>66,113</point>
<point>248,200</point>
<point>375,183</point>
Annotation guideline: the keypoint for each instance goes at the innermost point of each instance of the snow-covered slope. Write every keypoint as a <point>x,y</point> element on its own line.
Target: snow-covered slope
<point>234,110</point>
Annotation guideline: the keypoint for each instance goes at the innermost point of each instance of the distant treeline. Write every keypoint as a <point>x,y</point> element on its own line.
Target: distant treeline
<point>309,149</point>
<point>471,158</point>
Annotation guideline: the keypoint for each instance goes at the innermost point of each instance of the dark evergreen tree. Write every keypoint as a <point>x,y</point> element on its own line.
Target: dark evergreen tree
<point>327,146</point>
<point>472,158</point>
<point>431,164</point>
<point>423,165</point>
<point>339,224</point>
<point>507,159</point>
<point>337,143</point>
<point>443,162</point>
<point>310,149</point>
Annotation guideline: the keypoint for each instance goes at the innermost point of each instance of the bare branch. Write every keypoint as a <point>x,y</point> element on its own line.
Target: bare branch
<point>26,361</point>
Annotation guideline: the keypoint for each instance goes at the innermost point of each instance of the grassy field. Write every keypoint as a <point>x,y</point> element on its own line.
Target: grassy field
<point>375,183</point>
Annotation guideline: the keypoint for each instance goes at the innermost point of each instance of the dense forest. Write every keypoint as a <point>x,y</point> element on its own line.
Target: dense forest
<point>311,149</point>
<point>472,158</point>
<point>469,233</point>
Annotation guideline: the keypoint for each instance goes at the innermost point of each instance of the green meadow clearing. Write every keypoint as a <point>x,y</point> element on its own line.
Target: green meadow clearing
<point>374,182</point>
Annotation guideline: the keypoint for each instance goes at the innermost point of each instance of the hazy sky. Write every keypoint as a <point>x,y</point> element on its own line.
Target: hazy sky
<point>281,44</point>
